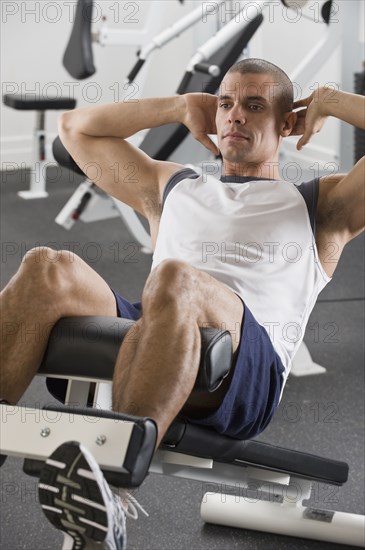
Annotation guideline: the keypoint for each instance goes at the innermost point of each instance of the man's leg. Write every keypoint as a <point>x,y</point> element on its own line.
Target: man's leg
<point>158,361</point>
<point>154,375</point>
<point>48,285</point>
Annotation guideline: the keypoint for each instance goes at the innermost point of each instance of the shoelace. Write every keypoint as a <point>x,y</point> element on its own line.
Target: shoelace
<point>130,504</point>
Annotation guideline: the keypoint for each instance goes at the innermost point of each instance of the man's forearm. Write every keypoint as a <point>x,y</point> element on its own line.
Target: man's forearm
<point>345,106</point>
<point>123,119</point>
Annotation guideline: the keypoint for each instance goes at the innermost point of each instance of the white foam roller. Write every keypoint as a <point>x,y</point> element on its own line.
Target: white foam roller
<point>283,519</point>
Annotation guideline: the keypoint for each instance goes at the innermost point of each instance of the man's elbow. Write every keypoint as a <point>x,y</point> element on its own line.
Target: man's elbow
<point>67,123</point>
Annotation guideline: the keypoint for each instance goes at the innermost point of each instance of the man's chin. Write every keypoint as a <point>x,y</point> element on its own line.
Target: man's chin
<point>236,159</point>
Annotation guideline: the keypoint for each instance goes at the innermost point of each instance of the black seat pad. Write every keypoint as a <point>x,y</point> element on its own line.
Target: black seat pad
<point>192,439</point>
<point>38,103</point>
<point>87,347</point>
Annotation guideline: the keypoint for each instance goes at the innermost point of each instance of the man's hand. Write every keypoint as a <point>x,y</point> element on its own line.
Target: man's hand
<point>323,103</point>
<point>311,119</point>
<point>199,118</point>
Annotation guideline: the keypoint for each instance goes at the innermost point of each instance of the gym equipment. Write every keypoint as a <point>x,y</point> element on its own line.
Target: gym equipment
<point>199,14</point>
<point>294,3</point>
<point>265,484</point>
<point>159,143</point>
<point>90,204</point>
<point>78,58</point>
<point>299,4</point>
<point>40,104</point>
<point>326,11</point>
<point>317,55</point>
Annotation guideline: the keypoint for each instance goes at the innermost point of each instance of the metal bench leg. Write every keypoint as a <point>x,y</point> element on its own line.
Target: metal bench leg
<point>37,189</point>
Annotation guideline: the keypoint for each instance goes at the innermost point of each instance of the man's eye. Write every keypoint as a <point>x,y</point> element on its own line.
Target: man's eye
<point>224,105</point>
<point>254,107</point>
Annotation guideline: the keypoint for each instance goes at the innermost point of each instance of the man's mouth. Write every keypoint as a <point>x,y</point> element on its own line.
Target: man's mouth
<point>235,136</point>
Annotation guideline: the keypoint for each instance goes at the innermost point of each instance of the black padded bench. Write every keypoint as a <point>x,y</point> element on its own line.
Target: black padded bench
<point>87,347</point>
<point>81,354</point>
<point>38,103</point>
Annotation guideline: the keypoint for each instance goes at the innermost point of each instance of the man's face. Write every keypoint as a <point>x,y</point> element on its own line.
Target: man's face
<point>248,119</point>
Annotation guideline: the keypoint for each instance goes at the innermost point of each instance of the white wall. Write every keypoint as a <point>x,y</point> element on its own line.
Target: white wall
<point>34,35</point>
<point>286,43</point>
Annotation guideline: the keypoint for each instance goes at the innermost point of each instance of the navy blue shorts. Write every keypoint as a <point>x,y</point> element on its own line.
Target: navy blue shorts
<point>254,391</point>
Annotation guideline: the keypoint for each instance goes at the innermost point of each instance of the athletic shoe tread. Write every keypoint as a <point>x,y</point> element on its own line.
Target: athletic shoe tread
<point>77,500</point>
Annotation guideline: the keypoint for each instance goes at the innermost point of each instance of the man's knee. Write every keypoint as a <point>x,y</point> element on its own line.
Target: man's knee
<point>41,256</point>
<point>171,282</point>
<point>47,269</point>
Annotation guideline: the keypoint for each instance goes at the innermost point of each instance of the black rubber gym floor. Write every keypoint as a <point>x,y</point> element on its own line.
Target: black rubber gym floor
<point>318,414</point>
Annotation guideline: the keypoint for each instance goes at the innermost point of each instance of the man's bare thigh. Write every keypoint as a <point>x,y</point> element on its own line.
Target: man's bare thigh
<point>216,305</point>
<point>222,309</point>
<point>213,305</point>
<point>86,292</point>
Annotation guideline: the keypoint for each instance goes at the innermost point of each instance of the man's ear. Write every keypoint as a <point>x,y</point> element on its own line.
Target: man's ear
<point>289,124</point>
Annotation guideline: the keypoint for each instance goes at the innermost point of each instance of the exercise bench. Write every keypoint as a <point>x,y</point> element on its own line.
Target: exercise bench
<point>40,104</point>
<point>79,364</point>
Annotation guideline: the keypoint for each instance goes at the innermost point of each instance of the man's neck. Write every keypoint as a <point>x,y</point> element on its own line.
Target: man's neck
<point>269,170</point>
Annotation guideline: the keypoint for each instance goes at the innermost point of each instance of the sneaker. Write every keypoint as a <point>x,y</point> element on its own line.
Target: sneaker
<point>76,499</point>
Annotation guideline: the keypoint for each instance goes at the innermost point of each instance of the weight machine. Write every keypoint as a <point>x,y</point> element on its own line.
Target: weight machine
<point>249,484</point>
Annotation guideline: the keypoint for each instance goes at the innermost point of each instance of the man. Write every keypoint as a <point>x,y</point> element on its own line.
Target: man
<point>245,253</point>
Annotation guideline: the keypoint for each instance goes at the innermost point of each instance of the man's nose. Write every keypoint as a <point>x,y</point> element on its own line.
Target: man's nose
<point>236,116</point>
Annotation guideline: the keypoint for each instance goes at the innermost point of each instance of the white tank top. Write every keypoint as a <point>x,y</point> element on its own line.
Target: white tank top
<point>256,236</point>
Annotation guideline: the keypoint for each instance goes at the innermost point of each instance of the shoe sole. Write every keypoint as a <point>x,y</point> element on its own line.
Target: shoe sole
<point>70,496</point>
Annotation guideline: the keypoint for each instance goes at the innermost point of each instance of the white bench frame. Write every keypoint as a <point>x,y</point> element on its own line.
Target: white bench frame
<point>241,496</point>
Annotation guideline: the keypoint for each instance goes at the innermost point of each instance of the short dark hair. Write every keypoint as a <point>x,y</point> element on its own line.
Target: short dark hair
<point>285,96</point>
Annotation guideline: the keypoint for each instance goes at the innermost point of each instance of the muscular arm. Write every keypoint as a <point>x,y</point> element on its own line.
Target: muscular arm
<point>96,138</point>
<point>123,119</point>
<point>346,106</point>
<point>350,189</point>
<point>343,204</point>
<point>323,103</point>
